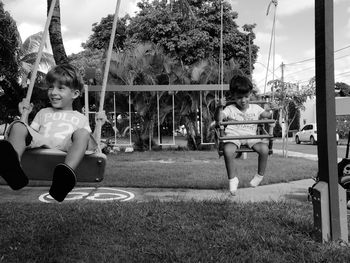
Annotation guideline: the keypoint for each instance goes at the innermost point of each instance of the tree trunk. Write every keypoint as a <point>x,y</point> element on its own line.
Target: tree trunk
<point>56,40</point>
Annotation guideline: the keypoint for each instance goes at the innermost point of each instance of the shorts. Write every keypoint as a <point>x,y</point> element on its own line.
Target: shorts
<point>36,140</point>
<point>248,142</point>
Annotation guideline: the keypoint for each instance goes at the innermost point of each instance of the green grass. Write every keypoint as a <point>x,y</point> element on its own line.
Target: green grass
<point>197,169</point>
<point>162,232</point>
<point>193,169</point>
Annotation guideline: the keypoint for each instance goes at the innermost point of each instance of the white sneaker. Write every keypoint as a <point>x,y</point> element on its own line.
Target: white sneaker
<point>256,180</point>
<point>233,185</point>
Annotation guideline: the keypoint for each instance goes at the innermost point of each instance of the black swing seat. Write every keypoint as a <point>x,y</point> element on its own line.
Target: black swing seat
<point>39,164</point>
<point>220,134</point>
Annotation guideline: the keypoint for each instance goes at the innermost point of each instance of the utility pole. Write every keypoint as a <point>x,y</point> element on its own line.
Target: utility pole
<point>282,120</point>
<point>250,57</point>
<point>282,72</point>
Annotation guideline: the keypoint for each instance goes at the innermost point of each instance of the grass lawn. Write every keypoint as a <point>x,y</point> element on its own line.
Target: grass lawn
<point>162,232</point>
<point>196,169</point>
<point>193,169</point>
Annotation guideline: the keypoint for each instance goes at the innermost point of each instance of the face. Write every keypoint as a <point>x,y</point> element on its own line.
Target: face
<point>61,96</point>
<point>242,100</point>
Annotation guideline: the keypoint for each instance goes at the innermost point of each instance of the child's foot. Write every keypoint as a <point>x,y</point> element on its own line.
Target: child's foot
<point>233,185</point>
<point>63,181</point>
<point>10,168</point>
<point>256,180</point>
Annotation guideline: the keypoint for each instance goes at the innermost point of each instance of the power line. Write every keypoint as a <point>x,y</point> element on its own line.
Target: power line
<point>335,76</point>
<point>343,73</point>
<point>309,59</point>
<point>313,67</point>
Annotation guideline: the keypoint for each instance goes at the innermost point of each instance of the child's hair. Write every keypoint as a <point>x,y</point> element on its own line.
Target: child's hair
<point>240,85</point>
<point>67,75</point>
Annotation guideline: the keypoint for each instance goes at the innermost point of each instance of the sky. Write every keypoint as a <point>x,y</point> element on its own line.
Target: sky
<point>294,31</point>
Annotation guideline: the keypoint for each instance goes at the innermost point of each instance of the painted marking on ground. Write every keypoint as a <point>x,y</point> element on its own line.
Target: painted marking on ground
<point>101,194</point>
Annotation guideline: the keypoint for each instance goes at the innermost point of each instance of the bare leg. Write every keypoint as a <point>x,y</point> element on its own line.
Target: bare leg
<point>64,177</point>
<point>76,152</point>
<point>17,138</point>
<point>263,150</point>
<point>229,151</point>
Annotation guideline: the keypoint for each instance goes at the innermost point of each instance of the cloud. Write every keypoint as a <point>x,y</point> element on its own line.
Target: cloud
<point>309,53</point>
<point>233,2</point>
<point>260,69</point>
<point>348,24</point>
<point>77,17</point>
<point>73,45</point>
<point>341,69</point>
<point>287,7</point>
<point>27,30</point>
<point>263,38</point>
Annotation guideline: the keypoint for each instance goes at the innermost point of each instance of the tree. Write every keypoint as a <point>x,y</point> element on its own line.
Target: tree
<point>102,33</point>
<point>143,64</point>
<point>10,42</point>
<point>186,30</point>
<point>27,56</point>
<point>289,95</point>
<point>192,39</point>
<point>56,40</point>
<point>89,59</point>
<point>344,89</point>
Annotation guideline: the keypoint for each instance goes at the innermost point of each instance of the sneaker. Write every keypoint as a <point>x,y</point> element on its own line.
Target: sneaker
<point>63,181</point>
<point>233,185</point>
<point>256,180</point>
<point>10,168</point>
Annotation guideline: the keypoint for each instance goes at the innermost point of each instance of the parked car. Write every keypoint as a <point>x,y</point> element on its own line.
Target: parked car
<point>308,133</point>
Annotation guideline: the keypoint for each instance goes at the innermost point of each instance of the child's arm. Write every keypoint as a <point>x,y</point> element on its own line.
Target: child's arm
<point>268,113</point>
<point>218,114</point>
<point>25,105</point>
<point>99,117</point>
<point>2,128</point>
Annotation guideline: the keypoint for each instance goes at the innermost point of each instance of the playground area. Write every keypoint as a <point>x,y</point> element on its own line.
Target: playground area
<point>168,205</point>
<point>162,140</point>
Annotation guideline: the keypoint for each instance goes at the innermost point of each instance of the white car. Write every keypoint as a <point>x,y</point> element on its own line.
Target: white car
<point>308,133</point>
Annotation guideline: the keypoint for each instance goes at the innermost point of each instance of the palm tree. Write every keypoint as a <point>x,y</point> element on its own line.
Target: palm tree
<point>144,64</point>
<point>188,102</point>
<point>27,55</point>
<point>56,40</point>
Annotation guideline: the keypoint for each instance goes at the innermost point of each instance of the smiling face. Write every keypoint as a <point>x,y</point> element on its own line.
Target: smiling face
<point>242,100</point>
<point>62,96</point>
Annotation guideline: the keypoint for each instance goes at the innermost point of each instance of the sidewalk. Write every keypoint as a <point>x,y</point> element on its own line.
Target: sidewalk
<point>296,190</point>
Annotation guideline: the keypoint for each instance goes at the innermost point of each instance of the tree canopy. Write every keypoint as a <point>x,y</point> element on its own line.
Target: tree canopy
<point>344,89</point>
<point>10,43</point>
<point>189,36</point>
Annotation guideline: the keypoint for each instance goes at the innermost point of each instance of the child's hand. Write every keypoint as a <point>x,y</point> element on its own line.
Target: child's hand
<point>222,102</point>
<point>25,105</point>
<point>101,117</point>
<point>271,106</point>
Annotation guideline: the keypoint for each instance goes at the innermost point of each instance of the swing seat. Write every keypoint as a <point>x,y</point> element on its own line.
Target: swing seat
<point>39,164</point>
<point>220,135</point>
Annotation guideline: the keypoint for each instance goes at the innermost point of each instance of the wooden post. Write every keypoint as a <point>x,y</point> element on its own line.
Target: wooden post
<point>335,206</point>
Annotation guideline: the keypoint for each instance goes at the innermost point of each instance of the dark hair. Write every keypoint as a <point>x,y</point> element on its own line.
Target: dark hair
<point>67,75</point>
<point>240,85</point>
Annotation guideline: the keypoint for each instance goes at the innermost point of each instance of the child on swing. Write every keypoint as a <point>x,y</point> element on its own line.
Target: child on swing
<point>240,91</point>
<point>57,127</point>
